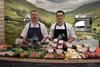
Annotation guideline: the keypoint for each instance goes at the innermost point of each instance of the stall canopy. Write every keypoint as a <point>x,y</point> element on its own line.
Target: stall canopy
<point>80,23</point>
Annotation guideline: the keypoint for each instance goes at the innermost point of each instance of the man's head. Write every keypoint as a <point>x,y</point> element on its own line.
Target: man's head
<point>60,15</point>
<point>34,15</point>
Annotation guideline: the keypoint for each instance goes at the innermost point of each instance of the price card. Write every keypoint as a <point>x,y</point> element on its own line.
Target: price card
<point>61,41</point>
<point>55,40</point>
<point>50,50</point>
<point>60,46</point>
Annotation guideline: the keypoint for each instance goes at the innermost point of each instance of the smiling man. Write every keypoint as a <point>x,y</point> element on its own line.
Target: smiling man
<point>61,29</point>
<point>34,30</point>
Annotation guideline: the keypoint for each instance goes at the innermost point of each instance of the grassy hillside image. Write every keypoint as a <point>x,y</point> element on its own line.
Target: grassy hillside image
<point>16,10</point>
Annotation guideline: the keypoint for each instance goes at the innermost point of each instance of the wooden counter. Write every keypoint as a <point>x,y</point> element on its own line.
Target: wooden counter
<point>50,60</point>
<point>28,62</point>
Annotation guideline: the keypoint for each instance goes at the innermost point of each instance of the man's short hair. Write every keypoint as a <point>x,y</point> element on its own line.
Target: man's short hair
<point>34,11</point>
<point>60,11</point>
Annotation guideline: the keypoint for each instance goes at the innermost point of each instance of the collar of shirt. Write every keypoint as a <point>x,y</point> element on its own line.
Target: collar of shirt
<point>37,25</point>
<point>60,26</point>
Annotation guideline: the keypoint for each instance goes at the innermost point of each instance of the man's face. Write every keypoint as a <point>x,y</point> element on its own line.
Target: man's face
<point>35,16</point>
<point>60,17</point>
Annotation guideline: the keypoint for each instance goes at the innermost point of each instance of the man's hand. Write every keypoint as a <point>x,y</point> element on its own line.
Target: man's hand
<point>71,39</point>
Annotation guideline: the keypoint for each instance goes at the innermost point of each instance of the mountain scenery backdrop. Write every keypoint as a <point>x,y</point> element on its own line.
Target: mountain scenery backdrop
<point>16,10</point>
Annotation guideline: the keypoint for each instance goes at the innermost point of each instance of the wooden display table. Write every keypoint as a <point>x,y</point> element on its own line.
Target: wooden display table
<point>28,62</point>
<point>50,60</point>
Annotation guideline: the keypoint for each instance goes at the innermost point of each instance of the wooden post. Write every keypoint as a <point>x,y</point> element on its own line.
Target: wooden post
<point>2,25</point>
